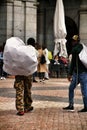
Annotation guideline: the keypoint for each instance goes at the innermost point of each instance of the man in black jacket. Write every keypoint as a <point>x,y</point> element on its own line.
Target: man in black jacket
<point>77,74</point>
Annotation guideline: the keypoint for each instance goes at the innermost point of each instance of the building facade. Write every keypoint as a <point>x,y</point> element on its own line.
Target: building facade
<point>35,18</point>
<point>17,18</point>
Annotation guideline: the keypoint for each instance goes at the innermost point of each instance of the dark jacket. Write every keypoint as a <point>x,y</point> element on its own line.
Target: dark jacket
<point>76,65</point>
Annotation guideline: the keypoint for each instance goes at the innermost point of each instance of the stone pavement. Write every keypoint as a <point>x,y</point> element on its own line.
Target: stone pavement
<point>48,99</point>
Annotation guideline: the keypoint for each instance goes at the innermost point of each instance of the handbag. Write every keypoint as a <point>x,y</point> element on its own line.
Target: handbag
<point>42,59</point>
<point>83,55</point>
<point>63,60</point>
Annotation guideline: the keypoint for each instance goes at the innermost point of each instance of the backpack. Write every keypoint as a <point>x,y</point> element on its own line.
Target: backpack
<point>83,55</point>
<point>42,59</point>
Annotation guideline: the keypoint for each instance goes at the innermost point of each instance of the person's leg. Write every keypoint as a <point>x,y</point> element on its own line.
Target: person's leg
<point>47,73</point>
<point>0,68</point>
<point>72,86</point>
<point>83,81</point>
<point>27,94</point>
<point>43,76</point>
<point>1,72</point>
<point>34,75</point>
<point>19,86</point>
<point>39,74</point>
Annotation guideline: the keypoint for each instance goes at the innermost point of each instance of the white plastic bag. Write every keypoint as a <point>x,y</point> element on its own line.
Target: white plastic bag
<point>83,55</point>
<point>18,58</point>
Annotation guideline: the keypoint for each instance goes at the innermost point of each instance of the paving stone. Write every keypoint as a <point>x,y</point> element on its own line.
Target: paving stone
<point>48,99</point>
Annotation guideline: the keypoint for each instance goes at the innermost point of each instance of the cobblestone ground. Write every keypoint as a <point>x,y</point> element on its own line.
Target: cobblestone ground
<point>48,99</point>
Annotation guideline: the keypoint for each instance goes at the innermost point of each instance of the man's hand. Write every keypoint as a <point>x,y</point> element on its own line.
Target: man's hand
<point>69,77</point>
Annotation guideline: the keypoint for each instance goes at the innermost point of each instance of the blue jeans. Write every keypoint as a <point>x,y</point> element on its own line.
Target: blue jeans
<point>82,79</point>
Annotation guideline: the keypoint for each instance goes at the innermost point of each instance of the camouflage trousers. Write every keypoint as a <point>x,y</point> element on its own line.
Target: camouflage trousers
<point>23,86</point>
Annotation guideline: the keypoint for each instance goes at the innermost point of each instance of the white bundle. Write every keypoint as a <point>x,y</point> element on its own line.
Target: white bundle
<point>18,58</point>
<point>83,55</point>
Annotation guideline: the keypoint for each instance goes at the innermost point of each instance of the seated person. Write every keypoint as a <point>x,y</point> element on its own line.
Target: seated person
<point>55,65</point>
<point>56,59</point>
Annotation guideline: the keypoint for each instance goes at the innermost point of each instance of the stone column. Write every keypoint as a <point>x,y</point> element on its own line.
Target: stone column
<point>9,19</point>
<point>83,21</point>
<point>3,18</point>
<point>21,19</point>
<point>18,21</point>
<point>31,20</point>
<point>15,18</point>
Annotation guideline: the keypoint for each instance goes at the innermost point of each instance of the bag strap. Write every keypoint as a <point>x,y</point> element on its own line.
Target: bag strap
<point>77,69</point>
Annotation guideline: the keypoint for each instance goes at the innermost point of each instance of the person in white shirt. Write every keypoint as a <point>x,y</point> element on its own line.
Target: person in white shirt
<point>45,52</point>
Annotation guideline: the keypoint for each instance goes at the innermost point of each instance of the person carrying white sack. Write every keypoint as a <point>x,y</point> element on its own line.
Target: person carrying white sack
<point>77,74</point>
<point>23,82</point>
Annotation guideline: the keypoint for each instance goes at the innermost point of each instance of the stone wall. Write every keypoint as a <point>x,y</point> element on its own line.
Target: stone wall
<point>76,10</point>
<point>83,21</point>
<point>18,18</point>
<point>3,19</point>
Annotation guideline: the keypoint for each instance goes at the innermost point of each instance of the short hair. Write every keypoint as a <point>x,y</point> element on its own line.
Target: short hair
<point>31,41</point>
<point>75,38</point>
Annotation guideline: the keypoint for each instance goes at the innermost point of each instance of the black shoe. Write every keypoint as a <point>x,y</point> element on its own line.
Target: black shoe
<point>69,108</point>
<point>29,109</point>
<point>21,113</point>
<point>83,110</point>
<point>35,81</point>
<point>46,78</point>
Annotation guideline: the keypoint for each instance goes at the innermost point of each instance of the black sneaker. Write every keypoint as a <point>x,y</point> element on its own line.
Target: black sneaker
<point>29,109</point>
<point>69,108</point>
<point>35,81</point>
<point>83,110</point>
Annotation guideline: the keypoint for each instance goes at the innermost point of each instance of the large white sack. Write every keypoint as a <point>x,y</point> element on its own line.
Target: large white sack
<point>18,58</point>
